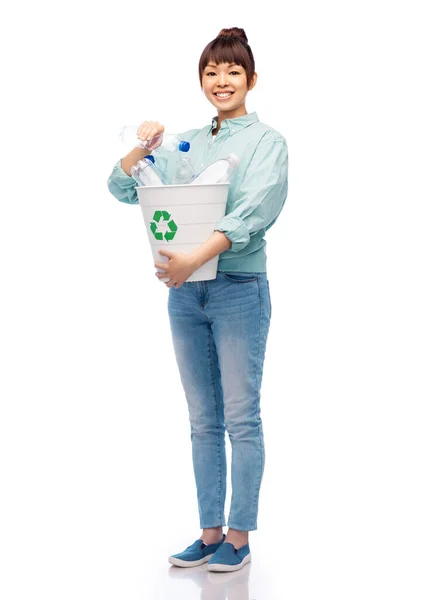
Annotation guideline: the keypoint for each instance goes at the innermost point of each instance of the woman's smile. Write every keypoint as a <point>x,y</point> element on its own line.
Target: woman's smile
<point>223,95</point>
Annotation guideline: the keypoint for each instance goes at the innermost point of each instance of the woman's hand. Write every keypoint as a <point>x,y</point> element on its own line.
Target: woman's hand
<point>178,268</point>
<point>148,130</point>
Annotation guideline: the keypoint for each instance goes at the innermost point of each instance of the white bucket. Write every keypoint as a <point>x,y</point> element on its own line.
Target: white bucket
<point>181,218</point>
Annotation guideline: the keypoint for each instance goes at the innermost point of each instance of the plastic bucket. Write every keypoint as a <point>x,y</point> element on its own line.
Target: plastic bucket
<point>182,217</point>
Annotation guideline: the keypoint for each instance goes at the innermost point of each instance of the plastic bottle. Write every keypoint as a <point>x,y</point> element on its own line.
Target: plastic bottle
<point>169,141</point>
<point>146,173</point>
<point>219,171</point>
<point>184,173</point>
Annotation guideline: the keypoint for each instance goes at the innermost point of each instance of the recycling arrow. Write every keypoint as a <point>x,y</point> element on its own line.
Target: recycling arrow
<point>165,216</point>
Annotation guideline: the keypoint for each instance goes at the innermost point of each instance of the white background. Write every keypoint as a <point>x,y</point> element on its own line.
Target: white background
<point>96,474</point>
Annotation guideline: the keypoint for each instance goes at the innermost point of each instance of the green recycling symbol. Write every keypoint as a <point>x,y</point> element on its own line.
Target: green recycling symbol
<point>169,235</point>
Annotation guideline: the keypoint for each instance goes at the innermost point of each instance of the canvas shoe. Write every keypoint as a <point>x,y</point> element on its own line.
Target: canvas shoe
<point>227,558</point>
<point>196,554</point>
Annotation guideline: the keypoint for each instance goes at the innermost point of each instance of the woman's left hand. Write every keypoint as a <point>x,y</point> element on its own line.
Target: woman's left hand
<point>178,268</point>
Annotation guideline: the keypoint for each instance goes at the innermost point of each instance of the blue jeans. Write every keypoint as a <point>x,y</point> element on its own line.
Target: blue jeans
<point>219,330</point>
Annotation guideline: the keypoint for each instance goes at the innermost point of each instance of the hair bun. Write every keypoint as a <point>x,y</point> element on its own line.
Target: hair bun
<point>233,32</point>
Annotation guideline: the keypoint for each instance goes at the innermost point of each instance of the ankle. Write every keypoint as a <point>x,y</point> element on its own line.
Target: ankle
<point>212,535</point>
<point>242,537</point>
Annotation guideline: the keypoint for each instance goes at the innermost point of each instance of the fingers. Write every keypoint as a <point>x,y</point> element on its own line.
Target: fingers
<point>164,275</point>
<point>149,129</point>
<point>169,283</point>
<point>161,275</point>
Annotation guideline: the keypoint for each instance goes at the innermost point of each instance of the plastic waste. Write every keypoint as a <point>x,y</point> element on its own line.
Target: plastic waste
<point>220,171</point>
<point>169,141</point>
<point>146,173</point>
<point>184,173</point>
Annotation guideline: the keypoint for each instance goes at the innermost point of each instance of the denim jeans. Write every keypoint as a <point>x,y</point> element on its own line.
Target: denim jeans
<point>219,330</point>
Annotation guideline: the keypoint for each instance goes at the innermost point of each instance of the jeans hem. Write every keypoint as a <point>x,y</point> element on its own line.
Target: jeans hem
<point>242,527</point>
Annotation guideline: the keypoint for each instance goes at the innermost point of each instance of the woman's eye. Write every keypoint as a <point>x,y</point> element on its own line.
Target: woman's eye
<point>232,72</point>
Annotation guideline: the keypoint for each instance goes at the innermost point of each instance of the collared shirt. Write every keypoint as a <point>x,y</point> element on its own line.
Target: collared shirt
<point>257,191</point>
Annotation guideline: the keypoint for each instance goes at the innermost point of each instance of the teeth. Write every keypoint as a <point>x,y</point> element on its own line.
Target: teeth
<point>223,95</point>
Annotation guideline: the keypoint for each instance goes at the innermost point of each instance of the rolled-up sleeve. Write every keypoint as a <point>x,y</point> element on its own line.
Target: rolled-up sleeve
<point>122,186</point>
<point>261,195</point>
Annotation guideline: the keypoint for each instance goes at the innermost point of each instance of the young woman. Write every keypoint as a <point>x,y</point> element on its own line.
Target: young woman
<point>219,327</point>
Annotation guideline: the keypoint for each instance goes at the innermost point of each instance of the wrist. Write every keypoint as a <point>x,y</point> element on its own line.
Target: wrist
<point>194,260</point>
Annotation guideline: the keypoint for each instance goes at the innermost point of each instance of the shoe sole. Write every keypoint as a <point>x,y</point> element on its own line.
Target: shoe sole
<point>178,562</point>
<point>226,568</point>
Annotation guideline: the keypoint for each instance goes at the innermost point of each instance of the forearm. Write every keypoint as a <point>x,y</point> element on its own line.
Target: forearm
<point>217,243</point>
<point>132,159</point>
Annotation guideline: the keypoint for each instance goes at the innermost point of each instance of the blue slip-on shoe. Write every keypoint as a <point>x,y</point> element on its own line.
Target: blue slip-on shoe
<point>196,554</point>
<point>227,558</point>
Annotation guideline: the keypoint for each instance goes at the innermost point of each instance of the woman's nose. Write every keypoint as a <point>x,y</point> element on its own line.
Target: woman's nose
<point>222,80</point>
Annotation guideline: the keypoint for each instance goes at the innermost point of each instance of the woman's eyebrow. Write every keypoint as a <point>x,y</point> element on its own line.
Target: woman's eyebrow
<point>214,66</point>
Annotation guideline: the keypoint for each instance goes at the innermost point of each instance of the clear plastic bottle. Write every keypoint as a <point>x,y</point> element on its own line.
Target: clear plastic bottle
<point>219,171</point>
<point>169,141</point>
<point>184,173</point>
<point>146,173</point>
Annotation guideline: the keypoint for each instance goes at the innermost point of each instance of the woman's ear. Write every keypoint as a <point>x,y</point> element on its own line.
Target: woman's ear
<point>253,82</point>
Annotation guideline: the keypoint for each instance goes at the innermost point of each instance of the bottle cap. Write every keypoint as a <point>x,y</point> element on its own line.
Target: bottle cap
<point>184,146</point>
<point>150,157</point>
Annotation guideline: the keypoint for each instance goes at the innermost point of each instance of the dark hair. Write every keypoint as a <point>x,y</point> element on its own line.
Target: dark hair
<point>230,46</point>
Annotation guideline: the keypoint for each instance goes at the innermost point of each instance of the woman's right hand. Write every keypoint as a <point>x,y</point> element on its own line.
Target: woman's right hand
<point>149,130</point>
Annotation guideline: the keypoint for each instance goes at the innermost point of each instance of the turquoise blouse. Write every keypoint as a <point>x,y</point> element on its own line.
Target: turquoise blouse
<point>257,191</point>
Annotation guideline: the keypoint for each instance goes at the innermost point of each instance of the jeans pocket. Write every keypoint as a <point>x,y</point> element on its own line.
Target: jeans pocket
<point>236,277</point>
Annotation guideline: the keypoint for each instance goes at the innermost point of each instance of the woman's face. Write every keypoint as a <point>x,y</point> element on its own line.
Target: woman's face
<point>225,86</point>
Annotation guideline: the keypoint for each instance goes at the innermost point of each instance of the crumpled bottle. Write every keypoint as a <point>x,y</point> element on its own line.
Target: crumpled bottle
<point>184,173</point>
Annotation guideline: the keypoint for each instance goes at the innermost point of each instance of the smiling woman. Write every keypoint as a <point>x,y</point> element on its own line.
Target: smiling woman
<point>227,73</point>
<point>220,326</point>
<point>229,47</point>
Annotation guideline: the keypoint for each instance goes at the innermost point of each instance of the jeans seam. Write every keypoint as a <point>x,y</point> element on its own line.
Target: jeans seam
<point>260,302</point>
<point>258,399</point>
<point>217,423</point>
<point>269,297</point>
<point>256,501</point>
